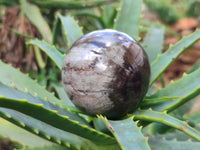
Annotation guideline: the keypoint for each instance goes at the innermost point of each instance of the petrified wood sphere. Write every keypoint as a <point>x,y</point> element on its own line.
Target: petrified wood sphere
<point>106,72</point>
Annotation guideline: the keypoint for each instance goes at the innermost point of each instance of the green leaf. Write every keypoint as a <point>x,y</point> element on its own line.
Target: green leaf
<point>157,144</point>
<point>53,118</point>
<point>56,29</point>
<point>185,88</point>
<point>128,17</point>
<point>176,135</point>
<point>153,116</point>
<point>13,93</point>
<point>15,133</point>
<point>72,31</point>
<point>152,101</point>
<point>50,50</point>
<point>63,4</point>
<point>185,108</point>
<point>34,15</point>
<point>153,42</point>
<point>164,60</point>
<point>195,117</point>
<point>46,131</point>
<point>38,57</point>
<point>109,14</point>
<point>8,3</point>
<point>194,67</point>
<point>14,78</point>
<point>62,94</point>
<point>49,147</point>
<point>127,134</point>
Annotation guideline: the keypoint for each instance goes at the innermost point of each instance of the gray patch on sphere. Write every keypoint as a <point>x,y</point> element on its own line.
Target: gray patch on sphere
<point>87,72</point>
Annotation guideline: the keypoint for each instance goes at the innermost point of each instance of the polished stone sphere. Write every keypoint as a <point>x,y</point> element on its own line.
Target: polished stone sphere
<point>106,72</point>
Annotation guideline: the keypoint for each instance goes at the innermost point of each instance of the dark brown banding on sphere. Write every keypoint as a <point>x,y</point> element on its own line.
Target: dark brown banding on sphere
<point>106,72</point>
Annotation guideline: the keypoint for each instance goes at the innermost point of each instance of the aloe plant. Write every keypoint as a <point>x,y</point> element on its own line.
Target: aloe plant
<point>49,121</point>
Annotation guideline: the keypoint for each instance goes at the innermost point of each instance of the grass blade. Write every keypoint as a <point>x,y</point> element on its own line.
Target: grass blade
<point>128,17</point>
<point>163,61</point>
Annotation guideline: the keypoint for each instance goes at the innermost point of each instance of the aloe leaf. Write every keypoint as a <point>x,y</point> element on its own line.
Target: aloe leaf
<point>23,83</point>
<point>46,131</point>
<point>161,117</point>
<point>157,144</point>
<point>49,147</point>
<point>56,29</point>
<point>14,78</point>
<point>164,60</point>
<point>72,31</point>
<point>15,94</point>
<point>185,88</point>
<point>185,108</point>
<point>127,134</point>
<point>25,138</point>
<point>34,15</point>
<point>53,118</point>
<point>195,117</point>
<point>153,42</point>
<point>194,67</point>
<point>50,50</point>
<point>109,13</point>
<point>153,101</point>
<point>63,4</point>
<point>62,94</point>
<point>128,17</point>
<point>176,135</point>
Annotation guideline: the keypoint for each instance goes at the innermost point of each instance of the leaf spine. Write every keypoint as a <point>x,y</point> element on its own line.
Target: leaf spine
<point>13,84</point>
<point>26,90</point>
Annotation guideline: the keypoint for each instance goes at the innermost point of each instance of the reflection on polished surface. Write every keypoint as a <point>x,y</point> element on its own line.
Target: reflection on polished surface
<point>106,72</point>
